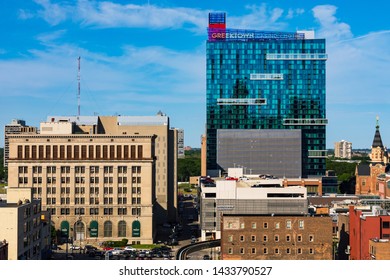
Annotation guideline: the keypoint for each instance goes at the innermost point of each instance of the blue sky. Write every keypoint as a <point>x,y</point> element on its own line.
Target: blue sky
<point>139,57</point>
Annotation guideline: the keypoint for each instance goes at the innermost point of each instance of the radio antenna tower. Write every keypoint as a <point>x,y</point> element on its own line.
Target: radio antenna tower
<point>78,91</point>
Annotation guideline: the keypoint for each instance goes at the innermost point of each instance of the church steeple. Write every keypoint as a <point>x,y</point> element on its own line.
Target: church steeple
<point>377,138</point>
<point>378,151</point>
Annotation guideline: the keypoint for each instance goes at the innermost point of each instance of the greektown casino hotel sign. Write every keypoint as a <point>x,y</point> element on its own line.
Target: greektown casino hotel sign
<point>219,34</point>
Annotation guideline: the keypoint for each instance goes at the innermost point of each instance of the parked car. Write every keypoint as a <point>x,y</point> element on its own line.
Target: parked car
<point>74,247</point>
<point>89,248</point>
<point>129,248</point>
<point>117,251</point>
<point>97,254</point>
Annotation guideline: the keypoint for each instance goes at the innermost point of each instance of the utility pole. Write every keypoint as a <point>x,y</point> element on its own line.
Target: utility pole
<point>78,92</point>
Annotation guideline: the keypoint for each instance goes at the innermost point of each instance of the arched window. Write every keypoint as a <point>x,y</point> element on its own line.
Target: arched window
<point>122,229</point>
<point>107,229</point>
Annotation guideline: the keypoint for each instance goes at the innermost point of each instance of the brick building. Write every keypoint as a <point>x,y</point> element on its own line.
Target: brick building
<point>256,237</point>
<point>364,226</point>
<point>379,249</point>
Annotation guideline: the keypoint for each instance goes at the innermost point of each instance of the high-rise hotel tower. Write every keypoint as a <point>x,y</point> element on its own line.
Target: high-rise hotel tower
<point>265,101</point>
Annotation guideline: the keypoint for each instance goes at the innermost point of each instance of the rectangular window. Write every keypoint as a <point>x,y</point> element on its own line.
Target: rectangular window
<point>20,152</point>
<point>40,152</point>
<point>34,152</point>
<point>386,225</point>
<point>253,238</point>
<point>55,152</point>
<point>288,224</point>
<point>242,238</point>
<point>90,148</point>
<point>288,238</point>
<point>26,152</point>
<point>98,153</point>
<point>76,152</point>
<point>126,152</point>
<point>105,152</point>
<point>48,150</point>
<point>112,151</point>
<point>253,225</point>
<point>277,225</point>
<point>301,224</point>
<point>140,152</point>
<point>265,225</point>
<point>299,238</point>
<point>119,152</point>
<point>62,152</point>
<point>83,152</point>
<point>132,152</point>
<point>69,151</point>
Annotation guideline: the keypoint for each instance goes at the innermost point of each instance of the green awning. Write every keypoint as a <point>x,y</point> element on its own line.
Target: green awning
<point>65,229</point>
<point>136,229</point>
<point>93,229</point>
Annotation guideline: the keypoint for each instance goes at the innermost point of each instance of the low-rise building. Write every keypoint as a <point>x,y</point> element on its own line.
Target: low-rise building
<point>379,249</point>
<point>276,237</point>
<point>24,226</point>
<point>247,196</point>
<point>364,226</point>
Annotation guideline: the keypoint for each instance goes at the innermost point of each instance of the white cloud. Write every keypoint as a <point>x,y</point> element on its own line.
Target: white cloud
<point>48,38</point>
<point>294,12</point>
<point>330,27</point>
<point>259,17</point>
<point>105,14</point>
<point>54,14</point>
<point>24,15</point>
<point>109,14</point>
<point>142,71</point>
<point>359,68</point>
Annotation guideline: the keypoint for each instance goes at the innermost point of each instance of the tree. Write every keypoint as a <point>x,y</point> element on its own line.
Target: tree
<point>189,166</point>
<point>345,172</point>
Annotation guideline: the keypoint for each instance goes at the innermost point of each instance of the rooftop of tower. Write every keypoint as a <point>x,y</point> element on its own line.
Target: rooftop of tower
<point>217,31</point>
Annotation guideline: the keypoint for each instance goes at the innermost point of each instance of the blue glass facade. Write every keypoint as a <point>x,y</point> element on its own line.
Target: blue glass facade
<point>268,84</point>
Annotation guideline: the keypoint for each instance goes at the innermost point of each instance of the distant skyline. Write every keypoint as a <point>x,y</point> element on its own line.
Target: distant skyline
<point>140,57</point>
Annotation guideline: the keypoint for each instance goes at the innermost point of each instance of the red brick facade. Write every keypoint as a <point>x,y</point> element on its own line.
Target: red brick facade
<point>362,228</point>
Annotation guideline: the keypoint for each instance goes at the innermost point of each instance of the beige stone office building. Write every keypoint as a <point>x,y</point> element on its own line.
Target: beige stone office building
<point>24,227</point>
<point>102,177</point>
